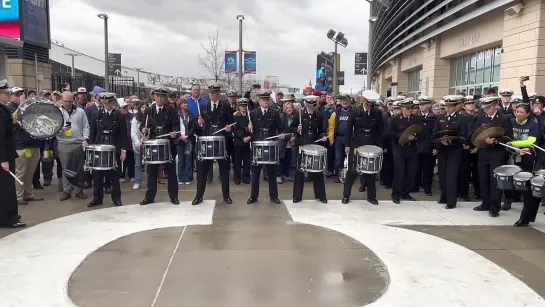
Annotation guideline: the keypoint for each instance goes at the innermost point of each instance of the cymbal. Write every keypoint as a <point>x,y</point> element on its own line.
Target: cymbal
<point>447,138</point>
<point>491,132</point>
<point>479,130</point>
<point>411,130</point>
<point>443,133</point>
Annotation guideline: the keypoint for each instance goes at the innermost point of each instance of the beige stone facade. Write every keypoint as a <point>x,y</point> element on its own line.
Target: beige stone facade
<point>522,38</point>
<point>22,73</point>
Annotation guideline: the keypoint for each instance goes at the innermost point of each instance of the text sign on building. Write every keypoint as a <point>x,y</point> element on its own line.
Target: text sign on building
<point>114,64</point>
<point>360,63</point>
<point>9,19</point>
<point>35,22</point>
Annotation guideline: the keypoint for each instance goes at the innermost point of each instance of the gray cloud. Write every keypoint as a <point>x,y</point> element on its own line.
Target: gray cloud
<point>165,36</point>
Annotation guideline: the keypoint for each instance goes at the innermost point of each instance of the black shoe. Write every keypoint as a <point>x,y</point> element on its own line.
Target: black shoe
<point>196,201</point>
<point>175,201</point>
<point>519,223</point>
<point>372,201</point>
<point>429,193</point>
<point>251,201</point>
<point>466,198</point>
<point>246,181</point>
<point>442,202</point>
<point>237,182</point>
<point>117,203</point>
<point>108,191</point>
<point>396,201</point>
<point>94,203</point>
<point>228,200</point>
<point>345,200</point>
<point>276,201</point>
<point>450,207</point>
<point>481,207</point>
<point>506,205</point>
<point>362,189</point>
<point>409,198</point>
<point>388,186</point>
<point>146,202</point>
<point>493,214</point>
<point>47,183</point>
<point>38,187</point>
<point>323,200</point>
<point>87,185</point>
<point>477,196</point>
<point>14,225</point>
<point>296,200</point>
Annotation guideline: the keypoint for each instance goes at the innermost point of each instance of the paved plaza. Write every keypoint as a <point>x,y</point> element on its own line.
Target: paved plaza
<point>261,255</point>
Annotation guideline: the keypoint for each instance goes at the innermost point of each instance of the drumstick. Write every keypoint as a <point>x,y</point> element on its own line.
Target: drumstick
<point>163,135</point>
<point>231,125</point>
<point>510,147</point>
<point>16,179</point>
<point>537,147</point>
<point>273,137</point>
<point>147,116</point>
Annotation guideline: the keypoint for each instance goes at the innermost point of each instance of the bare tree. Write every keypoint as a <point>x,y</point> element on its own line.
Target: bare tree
<point>213,61</point>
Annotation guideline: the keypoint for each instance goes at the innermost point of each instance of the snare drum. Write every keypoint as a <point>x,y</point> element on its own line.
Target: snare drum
<point>368,159</point>
<point>156,151</point>
<point>100,157</point>
<point>540,172</point>
<point>313,158</point>
<point>265,152</point>
<point>40,118</point>
<point>504,176</point>
<point>521,181</point>
<point>537,184</point>
<point>211,148</point>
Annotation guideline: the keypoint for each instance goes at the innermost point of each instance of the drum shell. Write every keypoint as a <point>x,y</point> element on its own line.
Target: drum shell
<point>537,185</point>
<point>520,183</point>
<point>312,160</point>
<point>368,162</point>
<point>265,152</point>
<point>156,152</point>
<point>504,176</point>
<point>100,157</point>
<point>211,148</point>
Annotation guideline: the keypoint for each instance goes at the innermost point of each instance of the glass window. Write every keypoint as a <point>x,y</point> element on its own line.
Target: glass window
<point>415,83</point>
<point>473,73</point>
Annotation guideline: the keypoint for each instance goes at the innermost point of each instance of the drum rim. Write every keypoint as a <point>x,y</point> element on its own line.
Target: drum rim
<point>315,149</point>
<point>156,142</point>
<point>100,146</point>
<point>26,104</point>
<point>514,167</point>
<point>211,137</point>
<point>378,149</point>
<point>539,177</point>
<point>265,143</point>
<point>515,178</point>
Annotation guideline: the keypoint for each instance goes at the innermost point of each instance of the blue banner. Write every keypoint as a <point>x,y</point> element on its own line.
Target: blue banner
<point>35,22</point>
<point>250,62</point>
<point>231,62</point>
<point>9,10</point>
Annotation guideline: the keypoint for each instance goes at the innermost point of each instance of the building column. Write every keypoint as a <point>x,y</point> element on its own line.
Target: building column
<point>22,73</point>
<point>524,48</point>
<point>402,78</point>
<point>435,71</point>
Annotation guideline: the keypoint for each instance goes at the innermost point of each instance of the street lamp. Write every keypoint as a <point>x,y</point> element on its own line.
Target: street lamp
<point>240,70</point>
<point>338,39</point>
<point>73,71</point>
<point>106,76</point>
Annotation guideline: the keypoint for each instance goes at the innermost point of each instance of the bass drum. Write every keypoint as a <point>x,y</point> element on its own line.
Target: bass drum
<point>40,118</point>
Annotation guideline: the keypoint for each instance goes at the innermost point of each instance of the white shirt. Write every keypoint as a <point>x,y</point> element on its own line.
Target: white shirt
<point>263,111</point>
<point>214,105</point>
<point>159,109</point>
<point>108,112</point>
<point>492,116</point>
<point>425,115</point>
<point>182,126</point>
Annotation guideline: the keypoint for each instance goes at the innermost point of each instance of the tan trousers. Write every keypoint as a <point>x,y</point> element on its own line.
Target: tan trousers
<point>24,170</point>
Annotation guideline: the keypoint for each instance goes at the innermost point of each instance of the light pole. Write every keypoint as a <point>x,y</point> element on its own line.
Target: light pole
<point>240,69</point>
<point>106,76</point>
<point>372,20</point>
<point>338,39</point>
<point>73,71</point>
<point>138,70</point>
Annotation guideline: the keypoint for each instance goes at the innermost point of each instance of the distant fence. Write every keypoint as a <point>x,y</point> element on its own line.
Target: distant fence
<point>122,86</point>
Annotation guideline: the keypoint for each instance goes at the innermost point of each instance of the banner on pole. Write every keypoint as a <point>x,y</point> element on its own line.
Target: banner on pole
<point>230,62</point>
<point>250,62</point>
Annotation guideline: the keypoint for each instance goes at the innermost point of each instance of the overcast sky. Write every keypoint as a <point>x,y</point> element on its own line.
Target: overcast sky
<point>165,36</point>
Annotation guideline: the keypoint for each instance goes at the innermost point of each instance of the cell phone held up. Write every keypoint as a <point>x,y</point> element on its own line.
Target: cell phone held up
<point>524,78</point>
<point>68,124</point>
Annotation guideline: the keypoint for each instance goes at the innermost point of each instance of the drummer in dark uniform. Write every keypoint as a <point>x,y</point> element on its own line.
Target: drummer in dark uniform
<point>506,107</point>
<point>216,115</point>
<point>311,128</point>
<point>161,119</point>
<point>492,156</point>
<point>107,128</point>
<point>426,159</point>
<point>387,172</point>
<point>364,128</point>
<point>405,156</point>
<point>265,123</point>
<point>450,127</point>
<point>241,140</point>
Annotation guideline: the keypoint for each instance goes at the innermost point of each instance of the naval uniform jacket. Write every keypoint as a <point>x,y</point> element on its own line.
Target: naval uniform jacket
<point>265,125</point>
<point>314,127</point>
<point>424,145</point>
<point>365,127</point>
<point>456,122</point>
<point>7,138</point>
<point>240,130</point>
<point>109,129</point>
<point>165,122</point>
<point>501,120</point>
<point>216,120</point>
<point>396,126</point>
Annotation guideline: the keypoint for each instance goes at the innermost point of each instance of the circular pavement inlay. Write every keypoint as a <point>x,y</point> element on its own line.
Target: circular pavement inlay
<point>231,265</point>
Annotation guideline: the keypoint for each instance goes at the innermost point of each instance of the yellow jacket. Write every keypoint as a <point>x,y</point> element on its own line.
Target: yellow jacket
<point>331,127</point>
